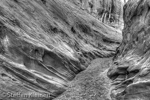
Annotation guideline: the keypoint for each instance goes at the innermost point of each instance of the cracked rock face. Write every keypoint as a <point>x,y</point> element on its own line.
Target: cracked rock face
<point>44,44</point>
<point>130,70</point>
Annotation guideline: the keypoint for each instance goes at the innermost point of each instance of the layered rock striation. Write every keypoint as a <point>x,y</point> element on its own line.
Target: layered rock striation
<point>107,11</point>
<point>131,66</point>
<point>44,44</point>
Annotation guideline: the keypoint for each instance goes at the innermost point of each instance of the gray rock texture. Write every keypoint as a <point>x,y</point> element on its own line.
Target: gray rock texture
<point>131,66</point>
<point>44,44</point>
<point>108,11</point>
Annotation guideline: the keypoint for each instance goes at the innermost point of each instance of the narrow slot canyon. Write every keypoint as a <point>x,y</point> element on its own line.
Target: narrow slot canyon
<point>74,49</point>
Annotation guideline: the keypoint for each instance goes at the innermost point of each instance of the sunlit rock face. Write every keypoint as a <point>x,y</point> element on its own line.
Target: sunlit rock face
<point>131,67</point>
<point>108,11</point>
<point>44,44</point>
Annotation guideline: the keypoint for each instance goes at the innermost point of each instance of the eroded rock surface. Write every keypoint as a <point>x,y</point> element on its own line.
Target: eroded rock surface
<point>44,44</point>
<point>108,11</point>
<point>131,67</point>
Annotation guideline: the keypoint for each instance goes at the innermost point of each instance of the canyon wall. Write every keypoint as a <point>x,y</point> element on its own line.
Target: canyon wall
<point>44,44</point>
<point>108,11</point>
<point>130,69</point>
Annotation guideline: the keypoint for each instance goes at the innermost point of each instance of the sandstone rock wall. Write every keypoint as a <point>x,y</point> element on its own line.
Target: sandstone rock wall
<point>45,43</point>
<point>131,67</point>
<point>108,11</point>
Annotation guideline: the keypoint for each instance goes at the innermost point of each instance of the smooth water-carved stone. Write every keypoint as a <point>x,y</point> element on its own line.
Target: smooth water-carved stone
<point>132,58</point>
<point>44,44</point>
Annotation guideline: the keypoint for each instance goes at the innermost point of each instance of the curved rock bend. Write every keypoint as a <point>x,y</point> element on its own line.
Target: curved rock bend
<point>45,43</point>
<point>130,71</point>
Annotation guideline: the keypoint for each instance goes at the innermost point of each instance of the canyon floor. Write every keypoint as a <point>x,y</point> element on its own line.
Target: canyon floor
<point>91,84</point>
